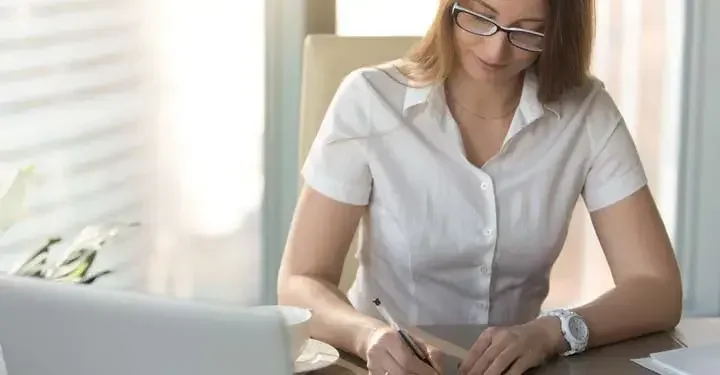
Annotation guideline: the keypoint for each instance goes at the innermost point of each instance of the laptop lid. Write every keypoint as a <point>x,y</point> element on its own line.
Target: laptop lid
<point>50,328</point>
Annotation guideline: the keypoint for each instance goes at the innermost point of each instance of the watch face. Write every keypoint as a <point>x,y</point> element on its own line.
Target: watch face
<point>578,328</point>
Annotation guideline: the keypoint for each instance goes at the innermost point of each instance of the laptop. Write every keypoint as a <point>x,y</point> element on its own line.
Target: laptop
<point>63,329</point>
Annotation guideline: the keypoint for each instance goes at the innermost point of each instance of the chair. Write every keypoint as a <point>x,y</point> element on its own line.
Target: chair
<point>327,60</point>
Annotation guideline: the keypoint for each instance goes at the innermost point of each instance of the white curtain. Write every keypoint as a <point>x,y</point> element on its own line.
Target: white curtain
<point>208,70</point>
<point>639,55</point>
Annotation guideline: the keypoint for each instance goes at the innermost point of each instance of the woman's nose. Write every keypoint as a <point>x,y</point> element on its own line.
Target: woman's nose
<point>495,48</point>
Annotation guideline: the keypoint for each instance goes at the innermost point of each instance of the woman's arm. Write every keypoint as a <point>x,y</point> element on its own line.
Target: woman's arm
<point>647,296</point>
<point>319,239</point>
<point>338,189</point>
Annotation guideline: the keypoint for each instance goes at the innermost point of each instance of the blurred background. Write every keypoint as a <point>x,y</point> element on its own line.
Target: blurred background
<point>183,115</point>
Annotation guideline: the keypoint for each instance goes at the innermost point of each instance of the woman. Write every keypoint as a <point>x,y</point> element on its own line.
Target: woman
<point>465,160</point>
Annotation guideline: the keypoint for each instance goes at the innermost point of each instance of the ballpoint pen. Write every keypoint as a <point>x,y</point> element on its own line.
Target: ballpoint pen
<point>409,341</point>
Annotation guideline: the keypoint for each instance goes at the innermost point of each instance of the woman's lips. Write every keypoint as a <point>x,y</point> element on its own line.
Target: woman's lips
<point>491,67</point>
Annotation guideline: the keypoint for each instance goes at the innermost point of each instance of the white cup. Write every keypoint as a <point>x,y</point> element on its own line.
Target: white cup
<point>297,321</point>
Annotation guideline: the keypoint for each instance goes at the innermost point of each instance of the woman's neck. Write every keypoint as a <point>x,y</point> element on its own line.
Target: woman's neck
<point>488,99</point>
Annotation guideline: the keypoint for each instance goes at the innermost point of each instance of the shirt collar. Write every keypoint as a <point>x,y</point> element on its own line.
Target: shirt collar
<point>530,106</point>
<point>434,96</point>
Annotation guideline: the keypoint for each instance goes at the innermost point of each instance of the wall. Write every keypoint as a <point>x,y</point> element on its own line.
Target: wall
<point>698,237</point>
<point>288,22</point>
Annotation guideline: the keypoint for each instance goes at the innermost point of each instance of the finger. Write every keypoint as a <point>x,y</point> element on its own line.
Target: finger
<point>479,347</point>
<point>484,340</point>
<point>404,356</point>
<point>522,364</point>
<point>504,360</point>
<point>379,360</point>
<point>437,358</point>
<point>483,363</point>
<point>384,363</point>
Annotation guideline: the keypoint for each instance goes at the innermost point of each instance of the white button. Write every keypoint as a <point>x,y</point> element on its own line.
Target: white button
<point>484,269</point>
<point>484,186</point>
<point>488,232</point>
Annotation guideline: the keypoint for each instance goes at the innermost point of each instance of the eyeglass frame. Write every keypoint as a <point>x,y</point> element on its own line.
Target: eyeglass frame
<point>457,9</point>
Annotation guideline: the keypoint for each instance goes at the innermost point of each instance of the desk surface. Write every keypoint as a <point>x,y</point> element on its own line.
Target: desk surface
<point>614,359</point>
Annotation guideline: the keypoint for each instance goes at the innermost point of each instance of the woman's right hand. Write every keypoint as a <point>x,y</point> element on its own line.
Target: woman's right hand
<point>387,354</point>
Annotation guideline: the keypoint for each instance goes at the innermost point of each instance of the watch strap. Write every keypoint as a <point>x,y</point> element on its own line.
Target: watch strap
<point>575,345</point>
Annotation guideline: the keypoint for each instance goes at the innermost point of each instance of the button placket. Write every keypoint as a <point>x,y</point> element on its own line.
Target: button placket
<point>489,234</point>
<point>489,196</point>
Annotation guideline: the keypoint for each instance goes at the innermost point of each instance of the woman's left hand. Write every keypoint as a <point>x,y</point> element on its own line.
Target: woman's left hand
<point>510,350</point>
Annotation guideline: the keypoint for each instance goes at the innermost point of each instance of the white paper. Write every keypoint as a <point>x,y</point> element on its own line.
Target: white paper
<point>698,360</point>
<point>654,366</point>
<point>3,370</point>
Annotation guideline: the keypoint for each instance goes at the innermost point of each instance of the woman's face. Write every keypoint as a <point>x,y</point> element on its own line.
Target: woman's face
<point>493,58</point>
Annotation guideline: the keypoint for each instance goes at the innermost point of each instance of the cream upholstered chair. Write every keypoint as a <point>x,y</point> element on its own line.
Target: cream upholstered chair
<point>327,60</point>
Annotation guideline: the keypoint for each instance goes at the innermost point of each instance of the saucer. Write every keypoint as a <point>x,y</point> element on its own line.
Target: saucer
<point>315,356</point>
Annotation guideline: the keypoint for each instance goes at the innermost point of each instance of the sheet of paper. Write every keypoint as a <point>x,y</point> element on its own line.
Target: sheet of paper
<point>653,366</point>
<point>443,345</point>
<point>3,370</point>
<point>698,360</point>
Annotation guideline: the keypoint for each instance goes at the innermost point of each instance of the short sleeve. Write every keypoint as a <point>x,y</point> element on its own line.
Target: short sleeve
<point>337,164</point>
<point>615,172</point>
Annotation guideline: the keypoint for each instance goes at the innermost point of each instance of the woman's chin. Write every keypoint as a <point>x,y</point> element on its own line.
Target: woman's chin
<point>482,75</point>
<point>491,76</point>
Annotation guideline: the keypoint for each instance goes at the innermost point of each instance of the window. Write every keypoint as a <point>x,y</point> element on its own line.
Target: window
<point>72,104</point>
<point>209,78</point>
<point>389,18</point>
<point>638,55</point>
<point>140,110</point>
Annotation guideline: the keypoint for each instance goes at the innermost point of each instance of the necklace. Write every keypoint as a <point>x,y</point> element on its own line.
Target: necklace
<point>508,113</point>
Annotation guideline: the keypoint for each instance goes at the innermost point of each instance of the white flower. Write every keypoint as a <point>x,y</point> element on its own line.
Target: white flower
<point>12,202</point>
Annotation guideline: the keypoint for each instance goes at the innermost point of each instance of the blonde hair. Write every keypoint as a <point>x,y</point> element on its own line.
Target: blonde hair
<point>563,65</point>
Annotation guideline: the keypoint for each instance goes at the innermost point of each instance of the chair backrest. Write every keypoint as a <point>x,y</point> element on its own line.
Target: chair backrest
<point>327,60</point>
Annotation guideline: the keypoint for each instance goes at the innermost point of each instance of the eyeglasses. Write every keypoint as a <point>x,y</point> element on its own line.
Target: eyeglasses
<point>481,25</point>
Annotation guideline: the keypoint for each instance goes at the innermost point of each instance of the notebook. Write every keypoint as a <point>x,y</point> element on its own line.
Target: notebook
<point>699,360</point>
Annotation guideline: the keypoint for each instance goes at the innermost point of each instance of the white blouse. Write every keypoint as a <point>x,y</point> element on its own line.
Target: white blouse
<point>446,242</point>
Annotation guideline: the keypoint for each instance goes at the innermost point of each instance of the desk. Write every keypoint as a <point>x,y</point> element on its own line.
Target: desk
<point>611,359</point>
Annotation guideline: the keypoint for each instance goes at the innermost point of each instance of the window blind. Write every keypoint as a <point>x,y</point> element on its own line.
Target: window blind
<point>71,103</point>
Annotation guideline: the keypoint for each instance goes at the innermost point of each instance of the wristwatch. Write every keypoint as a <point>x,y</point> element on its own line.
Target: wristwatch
<point>574,329</point>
